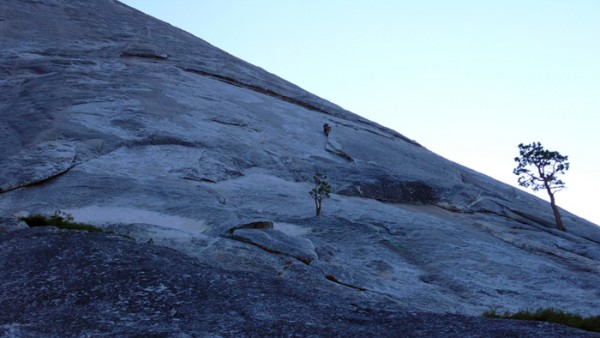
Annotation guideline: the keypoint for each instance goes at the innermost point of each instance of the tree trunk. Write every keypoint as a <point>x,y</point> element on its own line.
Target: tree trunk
<point>559,223</point>
<point>318,206</point>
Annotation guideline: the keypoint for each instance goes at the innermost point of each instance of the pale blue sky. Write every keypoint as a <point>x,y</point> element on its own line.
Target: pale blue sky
<point>469,80</point>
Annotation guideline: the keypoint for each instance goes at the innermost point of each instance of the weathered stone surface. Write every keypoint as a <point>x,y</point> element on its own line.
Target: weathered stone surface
<point>137,127</point>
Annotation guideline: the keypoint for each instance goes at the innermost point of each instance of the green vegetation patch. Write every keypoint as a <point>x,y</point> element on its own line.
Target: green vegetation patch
<point>60,220</point>
<point>551,315</point>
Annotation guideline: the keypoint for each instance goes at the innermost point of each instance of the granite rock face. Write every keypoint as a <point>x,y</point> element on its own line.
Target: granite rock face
<point>135,126</point>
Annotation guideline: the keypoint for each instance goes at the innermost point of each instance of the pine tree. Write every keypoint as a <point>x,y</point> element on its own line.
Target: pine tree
<point>539,168</point>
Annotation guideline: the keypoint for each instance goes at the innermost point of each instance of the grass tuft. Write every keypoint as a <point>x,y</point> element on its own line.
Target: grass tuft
<point>550,315</point>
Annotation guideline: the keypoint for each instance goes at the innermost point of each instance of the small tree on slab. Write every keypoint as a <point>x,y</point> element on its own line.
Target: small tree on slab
<point>539,168</point>
<point>320,191</point>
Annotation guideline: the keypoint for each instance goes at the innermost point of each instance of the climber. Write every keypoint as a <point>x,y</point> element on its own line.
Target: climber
<point>326,129</point>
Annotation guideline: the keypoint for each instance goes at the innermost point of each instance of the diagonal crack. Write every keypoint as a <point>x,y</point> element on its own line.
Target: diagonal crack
<point>331,278</point>
<point>256,88</point>
<point>39,181</point>
<point>269,92</point>
<point>304,260</point>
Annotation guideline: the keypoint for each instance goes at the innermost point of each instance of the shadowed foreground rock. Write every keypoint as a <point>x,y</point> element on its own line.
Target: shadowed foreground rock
<point>73,283</point>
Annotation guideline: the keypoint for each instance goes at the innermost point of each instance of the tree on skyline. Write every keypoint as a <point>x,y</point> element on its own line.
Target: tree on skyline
<point>538,169</point>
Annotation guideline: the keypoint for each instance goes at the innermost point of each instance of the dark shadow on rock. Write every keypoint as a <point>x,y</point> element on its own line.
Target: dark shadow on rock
<point>387,189</point>
<point>145,50</point>
<point>75,283</point>
<point>252,225</point>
